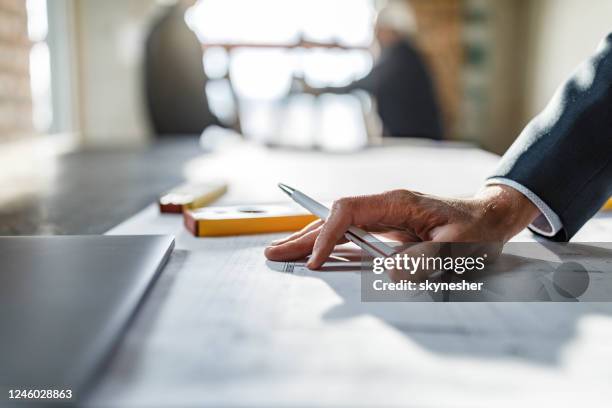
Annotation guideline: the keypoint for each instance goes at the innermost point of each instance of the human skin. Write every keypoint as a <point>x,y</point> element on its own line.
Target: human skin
<point>495,214</point>
<point>386,37</point>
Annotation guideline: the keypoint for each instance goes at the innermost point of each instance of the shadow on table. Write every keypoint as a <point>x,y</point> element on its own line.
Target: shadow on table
<point>530,310</point>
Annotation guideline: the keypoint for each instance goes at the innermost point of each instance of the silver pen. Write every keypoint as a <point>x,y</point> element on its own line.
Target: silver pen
<point>359,237</point>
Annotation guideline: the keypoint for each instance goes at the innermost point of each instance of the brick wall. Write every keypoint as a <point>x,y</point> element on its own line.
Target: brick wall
<point>15,97</point>
<point>440,40</point>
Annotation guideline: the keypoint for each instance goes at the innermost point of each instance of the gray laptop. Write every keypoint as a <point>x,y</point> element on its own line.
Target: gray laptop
<point>64,301</point>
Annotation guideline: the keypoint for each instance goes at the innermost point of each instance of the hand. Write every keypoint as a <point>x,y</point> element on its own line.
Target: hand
<point>495,214</point>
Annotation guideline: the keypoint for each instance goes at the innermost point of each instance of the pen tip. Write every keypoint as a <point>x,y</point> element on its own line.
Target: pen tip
<point>285,188</point>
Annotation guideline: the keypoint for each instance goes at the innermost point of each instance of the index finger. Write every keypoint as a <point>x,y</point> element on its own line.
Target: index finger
<point>345,212</point>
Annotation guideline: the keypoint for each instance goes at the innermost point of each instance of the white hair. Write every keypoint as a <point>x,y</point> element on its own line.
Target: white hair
<point>397,15</point>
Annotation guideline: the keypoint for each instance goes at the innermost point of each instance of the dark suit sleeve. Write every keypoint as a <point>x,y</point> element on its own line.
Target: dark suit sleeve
<point>564,155</point>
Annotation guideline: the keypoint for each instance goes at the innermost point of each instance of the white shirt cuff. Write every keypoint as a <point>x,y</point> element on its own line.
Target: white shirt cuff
<point>548,222</point>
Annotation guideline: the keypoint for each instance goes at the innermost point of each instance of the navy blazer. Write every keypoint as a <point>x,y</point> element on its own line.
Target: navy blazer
<point>564,155</point>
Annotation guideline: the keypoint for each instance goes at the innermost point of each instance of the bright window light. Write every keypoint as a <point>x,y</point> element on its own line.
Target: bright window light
<point>40,68</point>
<point>266,73</point>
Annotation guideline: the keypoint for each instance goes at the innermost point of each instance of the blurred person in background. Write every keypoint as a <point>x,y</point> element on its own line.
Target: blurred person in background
<point>399,81</point>
<point>174,75</point>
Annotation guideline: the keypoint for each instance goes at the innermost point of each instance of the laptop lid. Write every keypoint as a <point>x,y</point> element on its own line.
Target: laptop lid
<point>65,300</point>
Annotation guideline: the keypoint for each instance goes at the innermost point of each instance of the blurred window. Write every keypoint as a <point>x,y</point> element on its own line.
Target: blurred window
<point>258,44</point>
<point>40,71</point>
<point>264,72</point>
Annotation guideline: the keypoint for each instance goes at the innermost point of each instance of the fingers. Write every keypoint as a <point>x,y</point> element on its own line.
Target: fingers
<point>310,227</point>
<point>398,236</point>
<point>365,210</point>
<point>321,237</point>
<point>331,232</point>
<point>294,249</point>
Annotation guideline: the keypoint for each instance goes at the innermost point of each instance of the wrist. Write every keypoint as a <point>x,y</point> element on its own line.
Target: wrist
<point>504,211</point>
